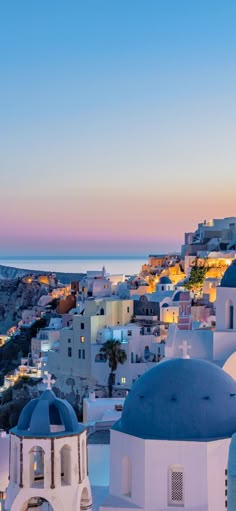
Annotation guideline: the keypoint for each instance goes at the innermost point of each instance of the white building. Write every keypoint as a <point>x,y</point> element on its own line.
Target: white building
<point>214,344</point>
<point>171,446</point>
<point>102,411</point>
<point>74,358</point>
<point>79,356</point>
<point>48,459</point>
<point>4,465</point>
<point>45,338</point>
<point>143,351</point>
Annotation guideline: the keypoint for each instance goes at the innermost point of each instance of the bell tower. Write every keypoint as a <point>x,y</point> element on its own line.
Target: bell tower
<point>48,459</point>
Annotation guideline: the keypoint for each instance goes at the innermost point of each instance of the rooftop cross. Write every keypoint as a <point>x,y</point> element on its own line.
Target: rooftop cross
<point>184,347</point>
<point>49,381</point>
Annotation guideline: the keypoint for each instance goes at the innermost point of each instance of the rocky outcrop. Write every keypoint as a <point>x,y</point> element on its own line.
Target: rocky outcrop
<point>15,296</point>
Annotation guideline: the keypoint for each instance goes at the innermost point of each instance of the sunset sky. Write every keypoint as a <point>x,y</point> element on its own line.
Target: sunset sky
<point>117,123</point>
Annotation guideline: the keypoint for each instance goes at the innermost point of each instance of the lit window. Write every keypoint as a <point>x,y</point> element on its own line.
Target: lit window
<point>123,379</point>
<point>82,339</point>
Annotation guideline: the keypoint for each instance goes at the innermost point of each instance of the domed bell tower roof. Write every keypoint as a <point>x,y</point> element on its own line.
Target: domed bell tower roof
<point>47,416</point>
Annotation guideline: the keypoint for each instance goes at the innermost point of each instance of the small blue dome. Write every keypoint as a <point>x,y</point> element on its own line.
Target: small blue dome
<point>47,416</point>
<point>229,277</point>
<point>177,296</point>
<point>165,305</point>
<point>181,400</point>
<point>165,280</point>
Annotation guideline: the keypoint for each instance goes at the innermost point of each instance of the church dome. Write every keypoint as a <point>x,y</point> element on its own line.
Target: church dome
<point>47,416</point>
<point>181,399</point>
<point>165,280</point>
<point>177,296</point>
<point>229,277</point>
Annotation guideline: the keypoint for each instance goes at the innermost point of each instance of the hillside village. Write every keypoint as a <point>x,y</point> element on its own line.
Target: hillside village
<point>173,306</point>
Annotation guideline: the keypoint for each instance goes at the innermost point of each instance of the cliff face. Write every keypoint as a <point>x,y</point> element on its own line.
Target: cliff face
<point>16,296</point>
<point>8,272</point>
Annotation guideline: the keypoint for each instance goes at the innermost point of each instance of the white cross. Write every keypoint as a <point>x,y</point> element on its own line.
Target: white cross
<point>49,381</point>
<point>184,347</point>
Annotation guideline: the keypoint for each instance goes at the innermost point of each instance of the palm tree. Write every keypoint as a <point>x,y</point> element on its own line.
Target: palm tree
<point>115,355</point>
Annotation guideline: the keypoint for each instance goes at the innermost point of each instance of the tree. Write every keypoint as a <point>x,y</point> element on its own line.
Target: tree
<point>197,275</point>
<point>115,355</point>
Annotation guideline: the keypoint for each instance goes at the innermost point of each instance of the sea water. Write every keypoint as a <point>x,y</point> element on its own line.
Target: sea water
<point>128,265</point>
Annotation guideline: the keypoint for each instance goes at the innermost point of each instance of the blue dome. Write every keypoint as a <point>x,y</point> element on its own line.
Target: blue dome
<point>229,277</point>
<point>165,280</point>
<point>165,305</point>
<point>177,296</point>
<point>47,416</point>
<point>181,399</point>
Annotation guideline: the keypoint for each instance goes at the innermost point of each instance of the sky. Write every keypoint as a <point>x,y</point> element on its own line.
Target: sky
<point>117,123</point>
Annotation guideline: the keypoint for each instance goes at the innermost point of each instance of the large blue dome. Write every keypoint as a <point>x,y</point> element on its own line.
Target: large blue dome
<point>47,416</point>
<point>229,277</point>
<point>181,399</point>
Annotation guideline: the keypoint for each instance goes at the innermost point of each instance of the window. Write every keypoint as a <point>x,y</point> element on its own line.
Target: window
<point>229,312</point>
<point>231,317</point>
<point>15,463</point>
<point>82,326</point>
<point>69,352</point>
<point>100,357</point>
<point>226,487</point>
<point>83,352</point>
<point>83,460</point>
<point>176,486</point>
<point>65,455</point>
<point>129,333</point>
<point>127,309</point>
<point>82,339</point>
<point>69,340</point>
<point>123,379</point>
<point>36,467</point>
<point>79,353</point>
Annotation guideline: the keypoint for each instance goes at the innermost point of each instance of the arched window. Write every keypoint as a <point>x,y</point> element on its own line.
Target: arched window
<point>176,485</point>
<point>229,313</point>
<point>65,465</point>
<point>83,449</point>
<point>126,475</point>
<point>102,312</point>
<point>38,503</point>
<point>37,467</point>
